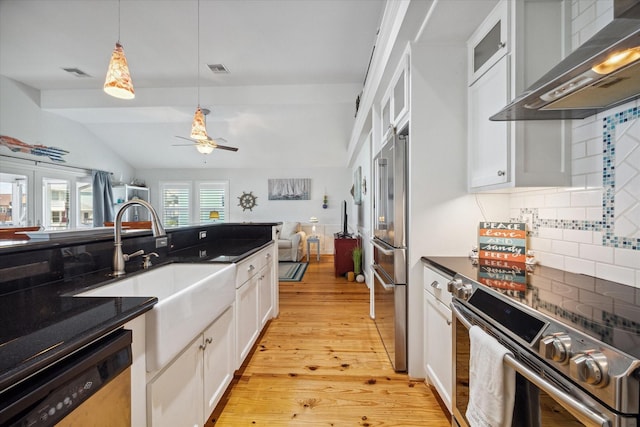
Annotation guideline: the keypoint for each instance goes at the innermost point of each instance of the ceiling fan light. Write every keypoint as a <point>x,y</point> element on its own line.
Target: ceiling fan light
<point>198,127</point>
<point>204,148</point>
<point>118,81</point>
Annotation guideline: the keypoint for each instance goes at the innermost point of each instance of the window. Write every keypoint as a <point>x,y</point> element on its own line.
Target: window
<point>212,197</point>
<point>13,200</point>
<point>56,200</point>
<point>47,196</point>
<point>176,203</point>
<point>179,208</point>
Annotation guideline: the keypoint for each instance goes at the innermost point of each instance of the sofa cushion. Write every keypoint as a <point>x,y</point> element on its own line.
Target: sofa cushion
<point>288,230</point>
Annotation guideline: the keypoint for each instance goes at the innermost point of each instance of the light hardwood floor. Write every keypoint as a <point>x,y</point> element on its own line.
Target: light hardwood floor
<point>322,363</point>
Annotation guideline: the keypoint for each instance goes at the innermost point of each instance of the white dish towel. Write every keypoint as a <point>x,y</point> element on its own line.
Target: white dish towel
<point>492,384</point>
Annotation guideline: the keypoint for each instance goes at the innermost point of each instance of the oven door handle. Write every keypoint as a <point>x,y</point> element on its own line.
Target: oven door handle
<point>585,414</point>
<point>387,286</point>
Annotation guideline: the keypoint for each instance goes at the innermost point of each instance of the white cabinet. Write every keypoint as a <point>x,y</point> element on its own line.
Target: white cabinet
<point>395,102</point>
<point>186,392</point>
<point>506,54</point>
<point>124,193</point>
<point>265,292</point>
<point>255,299</point>
<point>437,334</point>
<point>247,321</point>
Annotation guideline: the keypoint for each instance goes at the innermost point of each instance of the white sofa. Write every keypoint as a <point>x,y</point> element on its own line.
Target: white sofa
<point>290,241</point>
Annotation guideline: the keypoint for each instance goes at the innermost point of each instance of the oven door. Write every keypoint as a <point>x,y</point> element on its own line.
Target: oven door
<point>538,402</point>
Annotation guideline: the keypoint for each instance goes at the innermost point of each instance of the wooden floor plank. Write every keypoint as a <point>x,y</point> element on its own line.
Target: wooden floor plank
<point>322,363</point>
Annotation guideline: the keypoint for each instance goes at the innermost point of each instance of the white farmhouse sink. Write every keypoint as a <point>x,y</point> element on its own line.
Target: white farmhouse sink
<point>190,297</point>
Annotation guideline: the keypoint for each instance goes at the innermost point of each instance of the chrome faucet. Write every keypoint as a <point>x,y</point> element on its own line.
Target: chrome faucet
<point>120,258</point>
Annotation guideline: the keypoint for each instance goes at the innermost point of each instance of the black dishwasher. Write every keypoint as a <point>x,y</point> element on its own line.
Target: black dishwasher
<point>48,396</point>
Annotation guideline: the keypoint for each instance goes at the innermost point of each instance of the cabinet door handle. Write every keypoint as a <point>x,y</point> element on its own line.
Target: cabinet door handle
<point>208,340</point>
<point>501,45</point>
<point>435,285</point>
<point>448,322</point>
<point>501,173</point>
<point>251,268</point>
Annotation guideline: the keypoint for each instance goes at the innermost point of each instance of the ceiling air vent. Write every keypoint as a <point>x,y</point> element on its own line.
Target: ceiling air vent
<point>218,68</point>
<point>76,72</point>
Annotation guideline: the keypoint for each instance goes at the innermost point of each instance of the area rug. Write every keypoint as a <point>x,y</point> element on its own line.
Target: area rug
<point>289,271</point>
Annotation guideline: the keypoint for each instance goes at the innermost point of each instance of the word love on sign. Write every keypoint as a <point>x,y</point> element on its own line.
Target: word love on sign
<point>503,241</point>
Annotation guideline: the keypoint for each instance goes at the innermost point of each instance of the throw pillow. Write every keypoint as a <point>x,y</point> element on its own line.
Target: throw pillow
<point>288,230</point>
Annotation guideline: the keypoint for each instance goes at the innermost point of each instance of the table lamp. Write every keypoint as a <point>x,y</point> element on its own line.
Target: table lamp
<point>313,220</point>
<point>214,216</point>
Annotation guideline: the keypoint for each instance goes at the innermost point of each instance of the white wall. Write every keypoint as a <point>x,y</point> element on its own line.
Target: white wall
<point>333,181</point>
<point>21,117</point>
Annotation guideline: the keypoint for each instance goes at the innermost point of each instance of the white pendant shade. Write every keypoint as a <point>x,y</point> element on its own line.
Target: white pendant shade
<point>118,82</point>
<point>204,148</point>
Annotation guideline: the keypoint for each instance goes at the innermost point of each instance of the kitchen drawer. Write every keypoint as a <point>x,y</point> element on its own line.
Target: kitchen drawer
<point>435,282</point>
<point>250,266</point>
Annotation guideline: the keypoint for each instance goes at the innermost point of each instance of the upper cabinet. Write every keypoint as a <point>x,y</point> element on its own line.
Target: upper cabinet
<point>516,44</point>
<point>395,105</point>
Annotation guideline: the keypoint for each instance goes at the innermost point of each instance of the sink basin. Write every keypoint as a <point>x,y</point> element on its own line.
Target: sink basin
<point>190,297</point>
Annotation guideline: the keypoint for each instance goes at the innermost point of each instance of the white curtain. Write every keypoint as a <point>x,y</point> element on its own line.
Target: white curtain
<point>102,198</point>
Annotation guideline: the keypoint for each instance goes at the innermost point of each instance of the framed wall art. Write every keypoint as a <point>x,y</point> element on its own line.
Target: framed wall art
<point>290,189</point>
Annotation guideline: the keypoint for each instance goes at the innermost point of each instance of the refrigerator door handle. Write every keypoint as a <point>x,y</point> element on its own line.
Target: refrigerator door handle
<point>387,286</point>
<point>381,248</point>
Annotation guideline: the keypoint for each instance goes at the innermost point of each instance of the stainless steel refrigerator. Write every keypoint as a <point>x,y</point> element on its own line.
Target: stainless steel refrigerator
<point>390,246</point>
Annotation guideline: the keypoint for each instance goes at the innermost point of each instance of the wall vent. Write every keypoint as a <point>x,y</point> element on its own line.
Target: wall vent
<point>218,68</point>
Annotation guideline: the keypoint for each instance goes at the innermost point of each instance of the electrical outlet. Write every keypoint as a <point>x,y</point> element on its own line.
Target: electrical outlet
<point>162,242</point>
<point>203,235</point>
<point>528,219</point>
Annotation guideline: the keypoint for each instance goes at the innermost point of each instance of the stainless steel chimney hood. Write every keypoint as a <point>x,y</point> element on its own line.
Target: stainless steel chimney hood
<point>591,78</point>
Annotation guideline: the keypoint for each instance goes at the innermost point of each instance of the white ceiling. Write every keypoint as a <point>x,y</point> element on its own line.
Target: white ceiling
<point>296,68</point>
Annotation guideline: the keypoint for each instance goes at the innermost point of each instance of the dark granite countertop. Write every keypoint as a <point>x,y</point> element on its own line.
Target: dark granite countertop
<point>45,323</point>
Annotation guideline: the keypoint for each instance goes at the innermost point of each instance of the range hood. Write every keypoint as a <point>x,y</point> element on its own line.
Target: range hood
<point>591,79</point>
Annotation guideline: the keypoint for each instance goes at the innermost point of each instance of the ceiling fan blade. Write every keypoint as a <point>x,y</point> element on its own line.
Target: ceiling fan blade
<point>216,140</point>
<point>182,145</point>
<point>188,139</point>
<point>226,147</point>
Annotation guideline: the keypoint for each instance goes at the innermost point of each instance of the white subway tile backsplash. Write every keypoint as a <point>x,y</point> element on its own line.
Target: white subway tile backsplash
<point>578,265</point>
<point>580,236</point>
<point>597,237</point>
<point>572,213</point>
<point>594,147</point>
<point>565,248</point>
<point>617,274</point>
<point>557,200</point>
<point>594,214</point>
<point>596,253</point>
<point>548,213</point>
<point>550,233</point>
<point>626,258</point>
<point>578,150</point>
<point>539,244</point>
<point>550,260</point>
<point>579,181</point>
<point>586,198</point>
<point>594,179</point>
<point>587,165</point>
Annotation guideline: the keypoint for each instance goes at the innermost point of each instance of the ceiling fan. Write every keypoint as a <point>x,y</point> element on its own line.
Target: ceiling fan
<point>206,146</point>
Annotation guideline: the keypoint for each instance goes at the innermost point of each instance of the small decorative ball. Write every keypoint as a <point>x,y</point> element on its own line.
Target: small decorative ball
<point>359,278</point>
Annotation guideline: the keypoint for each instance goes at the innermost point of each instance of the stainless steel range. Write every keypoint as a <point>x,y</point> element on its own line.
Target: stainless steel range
<point>575,341</point>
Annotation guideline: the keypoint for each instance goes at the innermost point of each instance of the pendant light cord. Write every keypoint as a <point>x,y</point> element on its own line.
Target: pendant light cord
<point>198,63</point>
<point>119,21</point>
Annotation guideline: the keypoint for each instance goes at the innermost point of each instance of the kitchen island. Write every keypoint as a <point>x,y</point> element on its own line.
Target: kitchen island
<point>43,323</point>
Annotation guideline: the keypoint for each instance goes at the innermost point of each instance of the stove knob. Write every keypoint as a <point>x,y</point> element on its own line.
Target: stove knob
<point>592,367</point>
<point>453,284</point>
<point>556,347</point>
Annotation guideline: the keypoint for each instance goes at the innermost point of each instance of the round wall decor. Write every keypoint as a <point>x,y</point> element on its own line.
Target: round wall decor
<point>247,201</point>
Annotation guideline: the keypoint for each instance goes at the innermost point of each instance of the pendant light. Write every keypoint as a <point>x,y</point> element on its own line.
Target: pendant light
<point>118,82</point>
<point>198,127</point>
